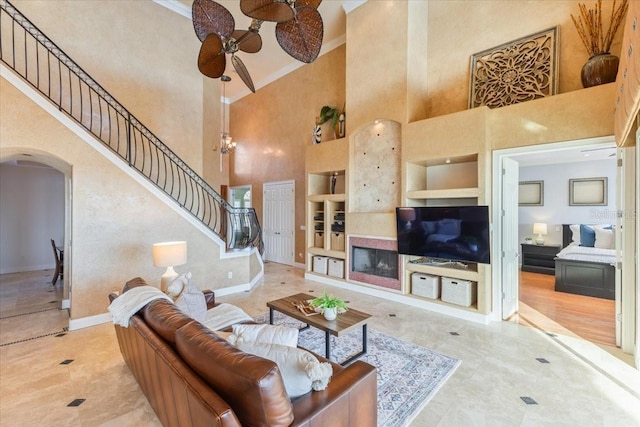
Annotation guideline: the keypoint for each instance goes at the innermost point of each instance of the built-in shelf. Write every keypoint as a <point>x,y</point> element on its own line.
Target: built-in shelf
<point>328,183</point>
<point>449,181</point>
<point>329,197</point>
<point>326,210</point>
<point>327,253</point>
<point>454,193</point>
<point>434,270</point>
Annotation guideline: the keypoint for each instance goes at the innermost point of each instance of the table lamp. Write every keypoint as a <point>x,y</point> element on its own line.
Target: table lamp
<point>539,228</point>
<point>169,254</point>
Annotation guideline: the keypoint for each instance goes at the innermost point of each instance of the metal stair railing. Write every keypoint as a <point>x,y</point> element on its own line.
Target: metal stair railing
<point>42,64</point>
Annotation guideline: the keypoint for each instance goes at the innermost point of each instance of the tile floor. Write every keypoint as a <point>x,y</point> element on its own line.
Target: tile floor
<point>50,376</point>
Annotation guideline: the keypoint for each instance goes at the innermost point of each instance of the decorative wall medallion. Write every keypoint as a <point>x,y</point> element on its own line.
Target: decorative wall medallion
<point>518,71</point>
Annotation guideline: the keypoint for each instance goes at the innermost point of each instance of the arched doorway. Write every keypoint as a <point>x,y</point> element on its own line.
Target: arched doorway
<point>35,209</point>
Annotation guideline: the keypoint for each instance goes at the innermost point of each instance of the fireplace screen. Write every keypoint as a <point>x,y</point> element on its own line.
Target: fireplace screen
<point>376,262</point>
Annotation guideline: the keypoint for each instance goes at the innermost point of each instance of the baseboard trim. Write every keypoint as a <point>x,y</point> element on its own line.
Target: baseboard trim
<point>86,322</point>
<point>9,270</point>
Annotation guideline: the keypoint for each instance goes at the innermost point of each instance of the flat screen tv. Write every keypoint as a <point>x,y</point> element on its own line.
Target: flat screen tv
<point>449,233</point>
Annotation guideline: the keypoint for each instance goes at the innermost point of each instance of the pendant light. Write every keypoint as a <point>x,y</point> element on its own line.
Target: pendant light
<point>227,145</point>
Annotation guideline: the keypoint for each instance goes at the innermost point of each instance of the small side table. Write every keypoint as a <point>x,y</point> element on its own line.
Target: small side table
<point>539,258</point>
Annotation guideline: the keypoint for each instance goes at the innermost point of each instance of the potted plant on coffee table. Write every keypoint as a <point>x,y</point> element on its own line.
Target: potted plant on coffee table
<point>329,305</point>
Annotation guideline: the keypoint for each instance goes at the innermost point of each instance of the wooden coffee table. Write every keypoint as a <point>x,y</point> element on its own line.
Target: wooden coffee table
<point>344,323</point>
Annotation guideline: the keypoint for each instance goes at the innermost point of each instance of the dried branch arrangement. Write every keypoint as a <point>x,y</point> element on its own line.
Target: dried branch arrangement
<point>589,26</point>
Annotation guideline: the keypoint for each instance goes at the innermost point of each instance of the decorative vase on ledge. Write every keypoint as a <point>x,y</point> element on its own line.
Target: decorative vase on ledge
<point>600,69</point>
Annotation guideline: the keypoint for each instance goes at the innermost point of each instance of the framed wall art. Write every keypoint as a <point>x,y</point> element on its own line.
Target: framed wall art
<point>588,192</point>
<point>531,193</point>
<point>514,72</point>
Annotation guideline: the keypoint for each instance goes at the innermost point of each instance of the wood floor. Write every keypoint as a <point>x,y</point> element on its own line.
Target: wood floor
<point>590,318</point>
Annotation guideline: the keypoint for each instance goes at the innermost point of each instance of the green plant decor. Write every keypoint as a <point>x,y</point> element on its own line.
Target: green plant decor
<point>329,301</point>
<point>330,113</point>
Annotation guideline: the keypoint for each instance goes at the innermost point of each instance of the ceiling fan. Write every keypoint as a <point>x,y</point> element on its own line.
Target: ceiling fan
<point>299,31</point>
<point>215,27</point>
<point>299,27</point>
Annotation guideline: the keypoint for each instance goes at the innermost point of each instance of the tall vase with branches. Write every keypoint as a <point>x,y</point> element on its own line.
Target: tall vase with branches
<point>602,66</point>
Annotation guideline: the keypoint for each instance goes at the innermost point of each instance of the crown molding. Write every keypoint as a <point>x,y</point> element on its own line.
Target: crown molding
<point>351,5</point>
<point>176,6</point>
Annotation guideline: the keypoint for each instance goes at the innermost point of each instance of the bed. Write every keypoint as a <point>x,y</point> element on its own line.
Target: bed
<point>584,270</point>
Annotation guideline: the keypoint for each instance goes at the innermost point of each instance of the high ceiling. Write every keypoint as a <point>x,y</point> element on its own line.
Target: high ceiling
<point>271,62</point>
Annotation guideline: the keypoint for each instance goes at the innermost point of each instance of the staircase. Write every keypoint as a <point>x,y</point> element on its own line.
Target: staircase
<point>44,66</point>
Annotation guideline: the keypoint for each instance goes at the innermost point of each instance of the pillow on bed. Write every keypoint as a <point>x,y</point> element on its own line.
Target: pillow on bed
<point>605,239</point>
<point>587,236</point>
<point>575,233</point>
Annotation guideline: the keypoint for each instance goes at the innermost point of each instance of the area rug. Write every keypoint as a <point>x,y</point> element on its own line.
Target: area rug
<point>408,375</point>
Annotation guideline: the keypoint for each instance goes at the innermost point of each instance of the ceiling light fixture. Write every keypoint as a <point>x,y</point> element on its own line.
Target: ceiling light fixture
<point>227,145</point>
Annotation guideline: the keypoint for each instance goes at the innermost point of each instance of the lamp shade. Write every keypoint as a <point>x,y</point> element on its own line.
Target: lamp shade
<point>169,254</point>
<point>539,228</point>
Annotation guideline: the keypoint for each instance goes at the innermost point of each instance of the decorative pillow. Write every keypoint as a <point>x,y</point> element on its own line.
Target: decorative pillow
<point>575,233</point>
<point>177,285</point>
<point>224,315</point>
<point>224,335</point>
<point>605,238</point>
<point>266,334</point>
<point>251,385</point>
<point>587,236</point>
<point>192,302</point>
<point>300,370</point>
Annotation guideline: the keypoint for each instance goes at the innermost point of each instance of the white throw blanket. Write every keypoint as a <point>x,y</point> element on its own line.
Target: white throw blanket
<point>225,315</point>
<point>128,303</point>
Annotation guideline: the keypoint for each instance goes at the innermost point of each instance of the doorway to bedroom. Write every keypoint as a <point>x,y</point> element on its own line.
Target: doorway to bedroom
<point>556,185</point>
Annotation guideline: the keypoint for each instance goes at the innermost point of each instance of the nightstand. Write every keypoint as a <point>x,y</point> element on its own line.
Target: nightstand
<point>539,258</point>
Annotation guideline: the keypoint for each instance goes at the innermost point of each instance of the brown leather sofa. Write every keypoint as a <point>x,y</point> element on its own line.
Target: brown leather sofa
<point>191,377</point>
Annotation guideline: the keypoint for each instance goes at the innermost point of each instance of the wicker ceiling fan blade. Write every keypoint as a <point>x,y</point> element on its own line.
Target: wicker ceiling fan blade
<point>212,60</point>
<point>267,10</point>
<point>313,3</point>
<point>238,65</point>
<point>302,37</point>
<point>211,17</point>
<point>248,41</point>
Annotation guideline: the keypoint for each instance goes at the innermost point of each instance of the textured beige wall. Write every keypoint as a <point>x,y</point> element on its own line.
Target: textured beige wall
<point>273,126</point>
<point>396,52</point>
<point>142,53</point>
<point>458,29</point>
<point>115,220</point>
<point>409,60</point>
<point>377,62</point>
<point>212,172</point>
<point>586,113</point>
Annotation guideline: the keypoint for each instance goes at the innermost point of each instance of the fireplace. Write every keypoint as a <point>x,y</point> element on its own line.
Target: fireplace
<point>374,261</point>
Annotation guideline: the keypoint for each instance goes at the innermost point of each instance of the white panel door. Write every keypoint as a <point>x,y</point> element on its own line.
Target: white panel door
<point>278,221</point>
<point>509,232</point>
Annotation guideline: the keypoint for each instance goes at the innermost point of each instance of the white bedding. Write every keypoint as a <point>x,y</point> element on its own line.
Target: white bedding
<point>582,253</point>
